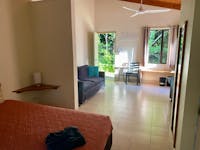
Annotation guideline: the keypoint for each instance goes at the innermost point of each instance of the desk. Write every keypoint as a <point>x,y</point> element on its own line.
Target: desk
<point>157,71</point>
<point>152,76</point>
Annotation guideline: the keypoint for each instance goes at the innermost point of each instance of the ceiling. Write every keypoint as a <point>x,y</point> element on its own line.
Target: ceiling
<point>173,4</point>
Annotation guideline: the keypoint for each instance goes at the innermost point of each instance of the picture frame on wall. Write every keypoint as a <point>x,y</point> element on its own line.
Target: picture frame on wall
<point>178,79</point>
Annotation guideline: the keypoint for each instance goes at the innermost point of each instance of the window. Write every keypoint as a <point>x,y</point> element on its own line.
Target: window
<point>158,46</point>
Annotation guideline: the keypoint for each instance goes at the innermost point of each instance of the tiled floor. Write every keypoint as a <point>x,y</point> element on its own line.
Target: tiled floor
<point>140,115</point>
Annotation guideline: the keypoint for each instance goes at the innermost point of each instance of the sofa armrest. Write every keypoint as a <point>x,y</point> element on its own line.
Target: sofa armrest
<point>101,74</point>
<point>80,84</point>
<point>80,92</point>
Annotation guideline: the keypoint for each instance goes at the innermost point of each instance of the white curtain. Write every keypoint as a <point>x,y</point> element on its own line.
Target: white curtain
<point>126,47</point>
<point>145,45</point>
<point>173,46</point>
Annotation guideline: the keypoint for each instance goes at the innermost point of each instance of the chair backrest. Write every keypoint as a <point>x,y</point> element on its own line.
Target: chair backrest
<point>134,67</point>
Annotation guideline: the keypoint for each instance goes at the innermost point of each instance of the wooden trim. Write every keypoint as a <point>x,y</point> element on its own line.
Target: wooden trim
<point>104,32</point>
<point>175,84</point>
<point>37,87</point>
<point>179,94</point>
<point>1,95</point>
<point>167,3</point>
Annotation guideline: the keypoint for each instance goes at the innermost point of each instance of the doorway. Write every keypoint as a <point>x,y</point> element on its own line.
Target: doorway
<point>105,52</point>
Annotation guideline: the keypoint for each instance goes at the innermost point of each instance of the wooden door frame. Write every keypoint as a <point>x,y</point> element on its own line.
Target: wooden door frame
<point>176,77</point>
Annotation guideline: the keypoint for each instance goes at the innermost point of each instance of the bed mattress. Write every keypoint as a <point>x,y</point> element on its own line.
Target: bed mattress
<point>24,126</point>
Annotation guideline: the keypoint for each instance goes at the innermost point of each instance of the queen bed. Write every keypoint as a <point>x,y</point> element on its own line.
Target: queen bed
<point>24,126</point>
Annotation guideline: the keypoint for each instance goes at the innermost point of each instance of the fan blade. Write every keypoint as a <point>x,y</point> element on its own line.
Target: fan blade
<point>156,11</point>
<point>130,9</point>
<point>134,15</point>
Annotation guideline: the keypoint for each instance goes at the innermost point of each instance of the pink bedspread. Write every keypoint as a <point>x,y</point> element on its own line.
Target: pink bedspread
<point>24,126</point>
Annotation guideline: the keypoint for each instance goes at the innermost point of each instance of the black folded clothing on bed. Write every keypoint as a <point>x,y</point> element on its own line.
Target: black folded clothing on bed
<point>67,139</point>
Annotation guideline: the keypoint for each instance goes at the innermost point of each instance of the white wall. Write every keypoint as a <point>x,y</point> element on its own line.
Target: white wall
<point>84,22</point>
<point>16,59</point>
<point>55,57</point>
<point>110,16</point>
<point>189,101</point>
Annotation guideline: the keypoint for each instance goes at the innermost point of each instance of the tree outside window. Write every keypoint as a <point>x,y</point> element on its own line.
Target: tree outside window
<point>158,46</point>
<point>106,57</point>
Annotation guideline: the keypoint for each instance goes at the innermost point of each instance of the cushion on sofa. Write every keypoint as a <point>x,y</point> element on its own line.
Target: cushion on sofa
<point>83,72</point>
<point>93,71</point>
<point>95,80</point>
<point>87,85</point>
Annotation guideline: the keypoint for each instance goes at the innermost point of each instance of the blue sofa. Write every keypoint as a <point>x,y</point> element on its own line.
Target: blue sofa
<point>88,86</point>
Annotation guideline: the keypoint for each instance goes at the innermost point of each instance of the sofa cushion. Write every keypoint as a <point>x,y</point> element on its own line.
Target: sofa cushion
<point>95,80</point>
<point>87,85</point>
<point>93,71</point>
<point>83,72</point>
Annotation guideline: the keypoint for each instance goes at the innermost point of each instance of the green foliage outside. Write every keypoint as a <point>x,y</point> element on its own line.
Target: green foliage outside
<point>157,55</point>
<point>106,57</point>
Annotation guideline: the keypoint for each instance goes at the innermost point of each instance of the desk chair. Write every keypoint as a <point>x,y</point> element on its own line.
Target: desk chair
<point>134,71</point>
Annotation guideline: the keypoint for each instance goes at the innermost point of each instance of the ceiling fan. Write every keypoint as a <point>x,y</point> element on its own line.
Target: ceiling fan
<point>142,11</point>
